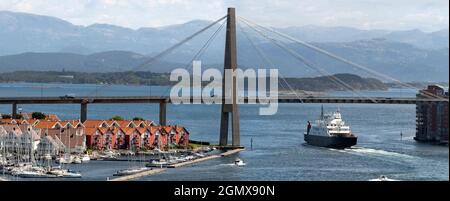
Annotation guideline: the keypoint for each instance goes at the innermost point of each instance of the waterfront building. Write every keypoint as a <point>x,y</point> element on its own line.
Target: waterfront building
<point>184,135</point>
<point>11,139</point>
<point>432,117</point>
<point>71,140</point>
<point>172,134</point>
<point>29,138</point>
<point>109,136</point>
<point>150,139</point>
<point>98,139</point>
<point>135,140</point>
<point>48,145</point>
<point>77,136</point>
<point>90,133</point>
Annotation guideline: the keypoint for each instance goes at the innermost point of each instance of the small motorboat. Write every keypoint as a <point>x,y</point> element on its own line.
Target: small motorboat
<point>160,162</point>
<point>76,160</point>
<point>66,159</point>
<point>239,162</point>
<point>85,158</point>
<point>199,155</point>
<point>383,178</point>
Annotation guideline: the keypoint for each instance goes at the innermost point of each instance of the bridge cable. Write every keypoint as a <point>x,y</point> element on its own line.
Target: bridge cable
<point>201,51</point>
<point>334,56</point>
<point>172,48</point>
<point>310,65</point>
<point>264,56</point>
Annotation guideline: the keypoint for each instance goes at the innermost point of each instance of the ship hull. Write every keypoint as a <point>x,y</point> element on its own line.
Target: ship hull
<point>331,142</point>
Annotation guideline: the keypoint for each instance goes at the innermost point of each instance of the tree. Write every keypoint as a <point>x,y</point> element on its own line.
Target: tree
<point>138,119</point>
<point>117,118</point>
<point>6,116</point>
<point>17,116</point>
<point>38,115</point>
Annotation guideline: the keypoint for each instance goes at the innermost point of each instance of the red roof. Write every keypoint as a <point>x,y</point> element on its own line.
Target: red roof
<point>127,131</point>
<point>93,123</point>
<point>47,124</point>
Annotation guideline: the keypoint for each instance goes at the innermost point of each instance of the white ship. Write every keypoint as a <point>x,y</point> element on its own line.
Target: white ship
<point>330,131</point>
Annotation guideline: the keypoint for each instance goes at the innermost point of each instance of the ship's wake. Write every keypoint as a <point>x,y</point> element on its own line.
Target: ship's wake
<point>375,152</point>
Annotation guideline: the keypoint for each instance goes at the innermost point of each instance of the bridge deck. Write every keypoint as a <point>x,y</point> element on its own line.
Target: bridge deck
<point>166,99</point>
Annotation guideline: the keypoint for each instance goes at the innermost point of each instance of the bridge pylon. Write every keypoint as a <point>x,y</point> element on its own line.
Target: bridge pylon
<point>230,108</point>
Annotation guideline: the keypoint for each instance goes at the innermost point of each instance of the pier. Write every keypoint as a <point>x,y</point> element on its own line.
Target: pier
<point>177,165</point>
<point>139,175</point>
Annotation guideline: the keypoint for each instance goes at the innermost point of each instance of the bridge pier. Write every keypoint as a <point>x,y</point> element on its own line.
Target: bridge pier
<point>83,112</point>
<point>162,113</point>
<point>14,110</point>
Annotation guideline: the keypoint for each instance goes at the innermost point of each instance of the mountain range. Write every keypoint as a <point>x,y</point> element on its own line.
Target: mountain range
<point>34,42</point>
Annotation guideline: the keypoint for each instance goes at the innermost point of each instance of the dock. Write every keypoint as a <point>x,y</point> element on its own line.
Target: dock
<point>226,153</point>
<point>159,170</point>
<point>138,175</point>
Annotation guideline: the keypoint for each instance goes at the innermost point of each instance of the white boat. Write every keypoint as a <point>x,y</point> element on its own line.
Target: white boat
<point>189,157</point>
<point>131,171</point>
<point>76,160</point>
<point>109,155</point>
<point>383,178</point>
<point>330,131</point>
<point>32,174</point>
<point>200,155</point>
<point>160,162</point>
<point>85,158</point>
<point>59,172</point>
<point>69,174</point>
<point>239,162</point>
<point>66,159</point>
<point>3,161</point>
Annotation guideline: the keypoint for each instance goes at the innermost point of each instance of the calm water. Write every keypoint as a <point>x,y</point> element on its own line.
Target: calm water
<point>278,152</point>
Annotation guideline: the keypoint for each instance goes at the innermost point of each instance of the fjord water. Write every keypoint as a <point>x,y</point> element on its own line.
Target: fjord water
<point>278,151</point>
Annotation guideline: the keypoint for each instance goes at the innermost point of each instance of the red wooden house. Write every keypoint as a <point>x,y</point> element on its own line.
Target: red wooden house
<point>173,136</point>
<point>184,135</point>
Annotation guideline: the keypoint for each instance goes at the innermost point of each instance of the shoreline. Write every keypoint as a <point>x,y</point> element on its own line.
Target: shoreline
<point>154,171</point>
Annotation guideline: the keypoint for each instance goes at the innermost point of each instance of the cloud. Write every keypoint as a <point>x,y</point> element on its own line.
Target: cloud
<point>369,14</point>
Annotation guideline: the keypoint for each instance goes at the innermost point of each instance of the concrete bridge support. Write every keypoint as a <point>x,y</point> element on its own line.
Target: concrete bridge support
<point>14,110</point>
<point>83,112</point>
<point>162,113</point>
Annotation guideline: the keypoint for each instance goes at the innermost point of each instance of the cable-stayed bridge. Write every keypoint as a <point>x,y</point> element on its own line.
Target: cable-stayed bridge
<point>231,111</point>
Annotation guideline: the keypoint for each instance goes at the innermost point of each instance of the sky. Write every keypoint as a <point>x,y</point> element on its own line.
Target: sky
<point>426,15</point>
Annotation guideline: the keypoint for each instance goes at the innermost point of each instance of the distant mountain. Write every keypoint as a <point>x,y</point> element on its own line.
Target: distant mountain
<point>398,60</point>
<point>34,42</point>
<point>326,83</point>
<point>111,61</point>
<point>434,40</point>
<point>323,83</point>
<point>22,32</point>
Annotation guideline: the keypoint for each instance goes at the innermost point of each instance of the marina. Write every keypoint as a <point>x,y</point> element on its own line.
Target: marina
<point>284,156</point>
